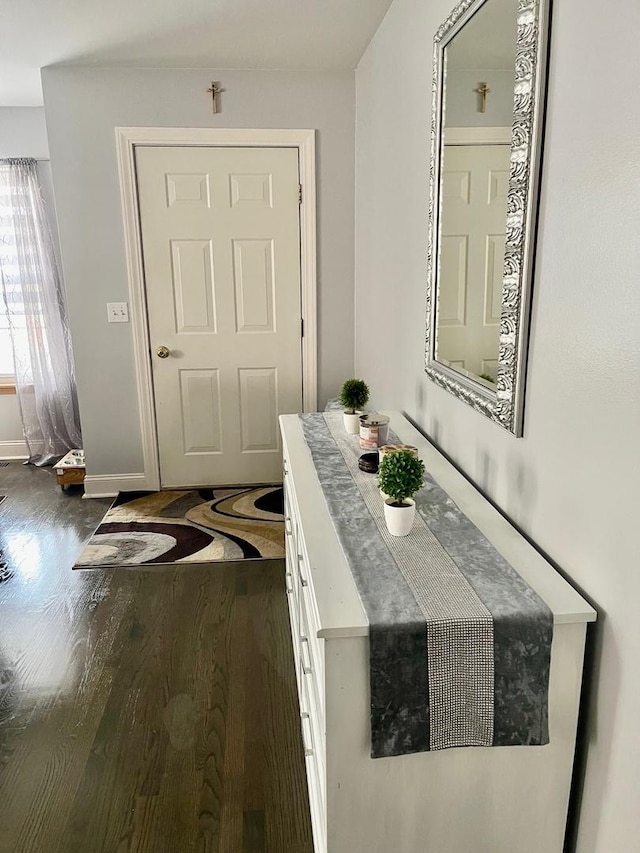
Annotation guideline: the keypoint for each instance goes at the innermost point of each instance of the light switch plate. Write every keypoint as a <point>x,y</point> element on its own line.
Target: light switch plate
<point>118,312</point>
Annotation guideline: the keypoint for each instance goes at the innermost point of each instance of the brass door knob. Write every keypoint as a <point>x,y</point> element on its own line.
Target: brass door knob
<point>163,352</point>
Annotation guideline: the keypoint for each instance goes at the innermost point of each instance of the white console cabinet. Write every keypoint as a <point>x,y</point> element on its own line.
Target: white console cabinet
<point>471,800</point>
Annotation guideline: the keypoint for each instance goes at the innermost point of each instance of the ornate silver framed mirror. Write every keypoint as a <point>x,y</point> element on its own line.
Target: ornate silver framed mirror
<point>490,59</point>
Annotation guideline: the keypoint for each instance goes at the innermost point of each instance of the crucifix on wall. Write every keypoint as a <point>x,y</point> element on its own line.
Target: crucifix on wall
<point>483,90</point>
<point>214,90</point>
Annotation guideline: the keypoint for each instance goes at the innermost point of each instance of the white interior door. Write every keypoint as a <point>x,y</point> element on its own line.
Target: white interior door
<point>221,248</point>
<point>475,181</point>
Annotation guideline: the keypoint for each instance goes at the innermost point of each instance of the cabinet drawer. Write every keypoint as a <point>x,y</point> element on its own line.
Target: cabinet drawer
<point>311,661</point>
<point>291,579</point>
<point>291,545</point>
<point>308,604</point>
<point>316,779</point>
<point>316,805</point>
<point>294,623</point>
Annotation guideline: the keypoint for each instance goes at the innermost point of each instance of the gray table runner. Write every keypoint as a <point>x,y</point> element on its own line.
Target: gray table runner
<point>459,643</point>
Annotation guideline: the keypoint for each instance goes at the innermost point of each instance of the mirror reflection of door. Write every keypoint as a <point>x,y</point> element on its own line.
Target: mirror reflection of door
<point>477,111</point>
<point>475,181</point>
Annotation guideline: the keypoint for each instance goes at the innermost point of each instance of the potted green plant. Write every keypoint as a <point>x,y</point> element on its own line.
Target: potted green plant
<point>354,397</point>
<point>399,478</point>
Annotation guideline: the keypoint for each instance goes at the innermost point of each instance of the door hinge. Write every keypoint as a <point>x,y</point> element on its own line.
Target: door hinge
<point>299,193</point>
<point>302,327</point>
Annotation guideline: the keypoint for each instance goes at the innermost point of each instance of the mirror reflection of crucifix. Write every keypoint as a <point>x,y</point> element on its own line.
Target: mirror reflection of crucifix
<point>215,90</point>
<point>483,90</point>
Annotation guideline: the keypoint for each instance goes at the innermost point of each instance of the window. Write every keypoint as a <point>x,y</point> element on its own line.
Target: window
<point>10,274</point>
<point>7,370</point>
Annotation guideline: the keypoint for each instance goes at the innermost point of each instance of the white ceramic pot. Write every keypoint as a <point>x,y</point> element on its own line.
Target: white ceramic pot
<point>399,518</point>
<point>352,423</point>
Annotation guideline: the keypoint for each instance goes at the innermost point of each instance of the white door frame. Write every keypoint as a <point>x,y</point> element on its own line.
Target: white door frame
<point>477,136</point>
<point>127,138</point>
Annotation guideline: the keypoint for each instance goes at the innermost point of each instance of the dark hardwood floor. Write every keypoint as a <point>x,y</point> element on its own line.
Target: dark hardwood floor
<point>140,710</point>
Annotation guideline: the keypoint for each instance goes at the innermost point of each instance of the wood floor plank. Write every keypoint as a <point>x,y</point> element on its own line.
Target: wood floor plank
<point>147,711</point>
<point>286,814</point>
<point>212,688</point>
<point>231,822</point>
<point>255,773</point>
<point>253,835</point>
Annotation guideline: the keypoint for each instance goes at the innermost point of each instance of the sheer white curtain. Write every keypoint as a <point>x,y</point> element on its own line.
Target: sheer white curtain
<point>34,298</point>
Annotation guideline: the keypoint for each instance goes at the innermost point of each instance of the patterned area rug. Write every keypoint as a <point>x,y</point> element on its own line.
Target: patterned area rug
<point>200,526</point>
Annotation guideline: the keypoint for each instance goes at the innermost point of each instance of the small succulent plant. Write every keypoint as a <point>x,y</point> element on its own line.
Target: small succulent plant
<point>354,395</point>
<point>400,475</point>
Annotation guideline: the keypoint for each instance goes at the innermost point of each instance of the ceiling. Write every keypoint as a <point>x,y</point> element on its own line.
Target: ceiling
<point>488,40</point>
<point>230,34</point>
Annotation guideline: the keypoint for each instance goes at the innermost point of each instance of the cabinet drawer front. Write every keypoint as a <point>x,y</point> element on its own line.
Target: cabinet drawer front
<point>294,621</point>
<point>316,807</point>
<point>291,537</point>
<point>292,592</point>
<point>291,582</point>
<point>310,657</point>
<point>309,629</point>
<point>315,763</point>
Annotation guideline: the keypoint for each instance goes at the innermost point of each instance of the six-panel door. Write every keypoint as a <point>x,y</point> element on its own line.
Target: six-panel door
<point>221,248</point>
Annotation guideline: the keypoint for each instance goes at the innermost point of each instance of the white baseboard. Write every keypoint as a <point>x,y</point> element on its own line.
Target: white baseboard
<point>13,450</point>
<point>108,485</point>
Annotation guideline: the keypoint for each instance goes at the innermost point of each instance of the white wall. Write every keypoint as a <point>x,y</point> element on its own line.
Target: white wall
<point>83,106</point>
<point>462,102</point>
<point>12,444</point>
<point>23,133</point>
<point>572,482</point>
